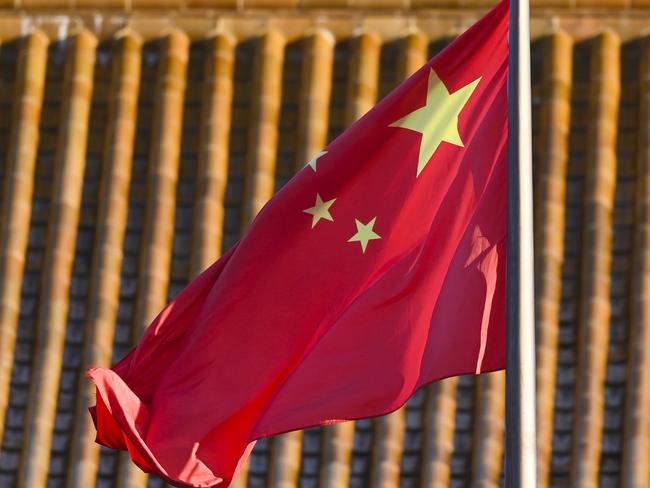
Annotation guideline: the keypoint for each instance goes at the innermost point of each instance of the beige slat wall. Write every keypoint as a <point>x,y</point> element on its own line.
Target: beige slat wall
<point>364,53</point>
<point>259,171</point>
<point>594,308</point>
<point>111,217</point>
<point>159,214</point>
<point>489,435</point>
<point>637,428</point>
<point>213,151</point>
<point>18,192</point>
<point>59,256</point>
<point>552,146</point>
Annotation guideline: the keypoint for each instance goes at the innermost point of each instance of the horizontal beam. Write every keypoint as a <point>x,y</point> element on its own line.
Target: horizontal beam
<point>239,5</point>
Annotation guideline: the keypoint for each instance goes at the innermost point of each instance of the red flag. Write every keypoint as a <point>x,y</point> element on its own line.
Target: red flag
<point>379,268</point>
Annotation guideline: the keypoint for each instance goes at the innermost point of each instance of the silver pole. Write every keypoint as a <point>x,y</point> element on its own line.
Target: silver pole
<point>520,457</point>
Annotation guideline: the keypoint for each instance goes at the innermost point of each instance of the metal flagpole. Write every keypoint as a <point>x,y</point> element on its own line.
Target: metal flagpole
<point>520,457</point>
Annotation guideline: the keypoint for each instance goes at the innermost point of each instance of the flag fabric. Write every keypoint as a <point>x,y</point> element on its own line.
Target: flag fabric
<point>379,268</point>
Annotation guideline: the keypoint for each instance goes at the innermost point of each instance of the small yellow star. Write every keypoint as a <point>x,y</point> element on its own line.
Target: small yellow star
<point>321,210</point>
<point>364,234</point>
<point>437,121</point>
<point>313,162</point>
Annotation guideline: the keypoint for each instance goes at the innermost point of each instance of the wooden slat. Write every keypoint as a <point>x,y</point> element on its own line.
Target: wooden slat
<point>313,118</point>
<point>17,204</point>
<point>336,455</point>
<point>285,460</point>
<point>363,76</point>
<point>259,183</point>
<point>413,55</point>
<point>159,217</point>
<point>214,142</point>
<point>361,96</point>
<point>438,435</point>
<point>59,256</point>
<point>315,94</point>
<point>554,153</point>
<point>596,259</point>
<point>489,431</point>
<point>387,449</point>
<point>636,446</point>
<point>103,300</point>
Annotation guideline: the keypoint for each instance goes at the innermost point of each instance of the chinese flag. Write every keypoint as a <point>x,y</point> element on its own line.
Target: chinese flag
<point>379,268</point>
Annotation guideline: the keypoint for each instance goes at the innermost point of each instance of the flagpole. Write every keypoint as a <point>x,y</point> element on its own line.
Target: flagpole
<point>520,457</point>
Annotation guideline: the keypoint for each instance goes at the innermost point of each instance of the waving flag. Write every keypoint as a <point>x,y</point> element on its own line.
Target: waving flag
<point>378,268</point>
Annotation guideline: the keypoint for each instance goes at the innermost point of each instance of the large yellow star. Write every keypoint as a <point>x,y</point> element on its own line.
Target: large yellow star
<point>364,234</point>
<point>321,210</point>
<point>437,121</point>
